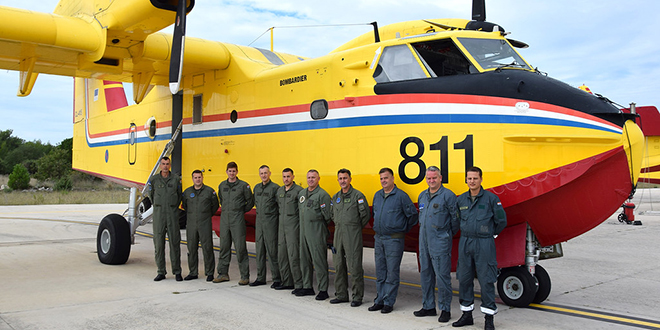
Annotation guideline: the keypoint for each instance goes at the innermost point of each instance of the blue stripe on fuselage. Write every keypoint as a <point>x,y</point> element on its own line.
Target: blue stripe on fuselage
<point>371,121</point>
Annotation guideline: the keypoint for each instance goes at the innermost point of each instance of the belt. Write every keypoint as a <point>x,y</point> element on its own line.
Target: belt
<point>395,235</point>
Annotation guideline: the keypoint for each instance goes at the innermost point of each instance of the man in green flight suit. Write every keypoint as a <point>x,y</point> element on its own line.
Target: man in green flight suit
<point>314,208</point>
<point>482,217</point>
<point>165,194</point>
<point>236,199</point>
<point>288,237</point>
<point>350,213</point>
<point>200,203</point>
<point>265,200</point>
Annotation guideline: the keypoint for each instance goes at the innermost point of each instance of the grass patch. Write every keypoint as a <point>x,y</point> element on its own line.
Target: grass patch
<point>86,190</point>
<point>64,197</point>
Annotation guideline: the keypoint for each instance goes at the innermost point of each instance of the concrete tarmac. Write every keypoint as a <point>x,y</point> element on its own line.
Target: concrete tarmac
<point>50,278</point>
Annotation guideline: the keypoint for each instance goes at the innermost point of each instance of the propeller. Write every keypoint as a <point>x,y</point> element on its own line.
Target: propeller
<point>479,10</point>
<point>178,42</point>
<point>478,23</point>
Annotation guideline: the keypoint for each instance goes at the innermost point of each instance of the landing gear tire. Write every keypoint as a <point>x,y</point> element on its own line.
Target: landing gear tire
<point>183,219</point>
<point>144,205</point>
<point>516,286</point>
<point>545,285</point>
<point>113,240</point>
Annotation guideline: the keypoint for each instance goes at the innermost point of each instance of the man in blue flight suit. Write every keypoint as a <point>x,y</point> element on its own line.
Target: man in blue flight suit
<point>394,216</point>
<point>438,222</point>
<point>482,218</point>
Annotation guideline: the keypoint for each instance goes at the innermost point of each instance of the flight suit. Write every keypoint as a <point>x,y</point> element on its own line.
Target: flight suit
<point>236,199</point>
<point>314,209</point>
<point>165,194</point>
<point>200,206</point>
<point>265,200</point>
<point>438,222</point>
<point>350,213</point>
<point>394,216</point>
<point>479,221</point>
<point>288,236</point>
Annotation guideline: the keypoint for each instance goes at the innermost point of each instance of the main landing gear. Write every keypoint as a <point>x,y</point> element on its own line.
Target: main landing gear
<point>116,232</point>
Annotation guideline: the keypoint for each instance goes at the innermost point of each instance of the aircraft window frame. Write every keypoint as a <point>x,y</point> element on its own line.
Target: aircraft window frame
<point>197,114</point>
<point>318,109</point>
<point>518,62</point>
<point>394,65</point>
<point>151,126</point>
<point>233,116</point>
<point>444,57</point>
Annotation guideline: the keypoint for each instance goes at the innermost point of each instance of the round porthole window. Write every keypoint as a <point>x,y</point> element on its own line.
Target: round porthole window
<point>150,127</point>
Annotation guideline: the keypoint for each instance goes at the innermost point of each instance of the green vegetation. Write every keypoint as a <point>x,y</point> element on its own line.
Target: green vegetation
<point>19,178</point>
<point>35,173</point>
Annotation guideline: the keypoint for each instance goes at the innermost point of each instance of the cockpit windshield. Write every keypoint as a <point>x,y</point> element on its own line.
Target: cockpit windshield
<point>442,57</point>
<point>493,53</point>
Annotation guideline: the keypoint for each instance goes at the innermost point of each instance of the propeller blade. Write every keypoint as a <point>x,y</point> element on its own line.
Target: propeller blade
<point>178,41</point>
<point>517,44</point>
<point>479,10</point>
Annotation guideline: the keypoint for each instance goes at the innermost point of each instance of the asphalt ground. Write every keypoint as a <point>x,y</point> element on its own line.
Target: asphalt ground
<point>50,278</point>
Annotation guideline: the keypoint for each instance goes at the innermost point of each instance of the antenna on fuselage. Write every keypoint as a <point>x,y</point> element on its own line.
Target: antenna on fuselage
<point>376,35</point>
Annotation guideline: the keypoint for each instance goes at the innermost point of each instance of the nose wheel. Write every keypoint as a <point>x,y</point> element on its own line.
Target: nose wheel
<point>516,286</point>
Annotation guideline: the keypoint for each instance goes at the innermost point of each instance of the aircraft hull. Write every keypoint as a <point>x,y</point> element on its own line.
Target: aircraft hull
<point>560,170</point>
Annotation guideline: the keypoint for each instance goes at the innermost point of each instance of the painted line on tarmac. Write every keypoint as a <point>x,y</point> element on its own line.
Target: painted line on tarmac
<point>545,307</point>
<point>596,315</point>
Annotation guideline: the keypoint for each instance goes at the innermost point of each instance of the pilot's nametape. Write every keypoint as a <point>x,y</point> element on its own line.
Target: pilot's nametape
<point>293,80</point>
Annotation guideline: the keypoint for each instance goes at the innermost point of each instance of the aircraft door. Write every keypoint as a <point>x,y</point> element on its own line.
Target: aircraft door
<point>132,144</point>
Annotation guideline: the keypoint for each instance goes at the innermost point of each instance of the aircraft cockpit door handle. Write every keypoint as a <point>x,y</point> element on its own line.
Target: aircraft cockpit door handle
<point>132,144</point>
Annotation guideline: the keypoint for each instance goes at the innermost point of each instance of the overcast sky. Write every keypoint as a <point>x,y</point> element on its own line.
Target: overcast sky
<point>611,46</point>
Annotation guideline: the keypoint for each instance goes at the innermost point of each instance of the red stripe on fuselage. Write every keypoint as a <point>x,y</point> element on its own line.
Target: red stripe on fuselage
<point>393,99</point>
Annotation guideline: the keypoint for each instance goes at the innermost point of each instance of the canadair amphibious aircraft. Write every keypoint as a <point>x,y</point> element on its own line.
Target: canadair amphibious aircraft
<point>451,92</point>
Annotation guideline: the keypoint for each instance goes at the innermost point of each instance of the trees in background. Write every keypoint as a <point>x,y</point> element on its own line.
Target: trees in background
<point>42,161</point>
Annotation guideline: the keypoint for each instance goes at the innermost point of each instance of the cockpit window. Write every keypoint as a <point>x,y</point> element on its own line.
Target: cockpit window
<point>443,58</point>
<point>397,63</point>
<point>493,53</point>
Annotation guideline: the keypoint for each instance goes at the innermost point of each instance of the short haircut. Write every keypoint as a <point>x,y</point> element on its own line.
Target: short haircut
<point>474,169</point>
<point>432,168</point>
<point>345,171</point>
<point>165,158</point>
<point>232,165</point>
<point>264,166</point>
<point>287,170</point>
<point>386,169</point>
<point>315,171</point>
<point>197,171</point>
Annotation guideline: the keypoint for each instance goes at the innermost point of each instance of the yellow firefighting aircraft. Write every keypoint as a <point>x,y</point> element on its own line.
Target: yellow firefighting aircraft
<point>451,92</point>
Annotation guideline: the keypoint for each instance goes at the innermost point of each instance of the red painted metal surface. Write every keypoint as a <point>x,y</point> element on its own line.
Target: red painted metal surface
<point>559,204</point>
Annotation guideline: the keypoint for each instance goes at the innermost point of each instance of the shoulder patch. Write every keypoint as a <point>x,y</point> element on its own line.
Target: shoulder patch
<point>499,203</point>
<point>361,200</point>
<point>323,205</point>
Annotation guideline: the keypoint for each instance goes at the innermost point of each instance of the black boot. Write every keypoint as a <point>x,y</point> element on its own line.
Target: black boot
<point>466,319</point>
<point>489,323</point>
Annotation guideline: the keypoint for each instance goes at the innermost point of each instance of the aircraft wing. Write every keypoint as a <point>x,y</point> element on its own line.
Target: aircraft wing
<point>118,42</point>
